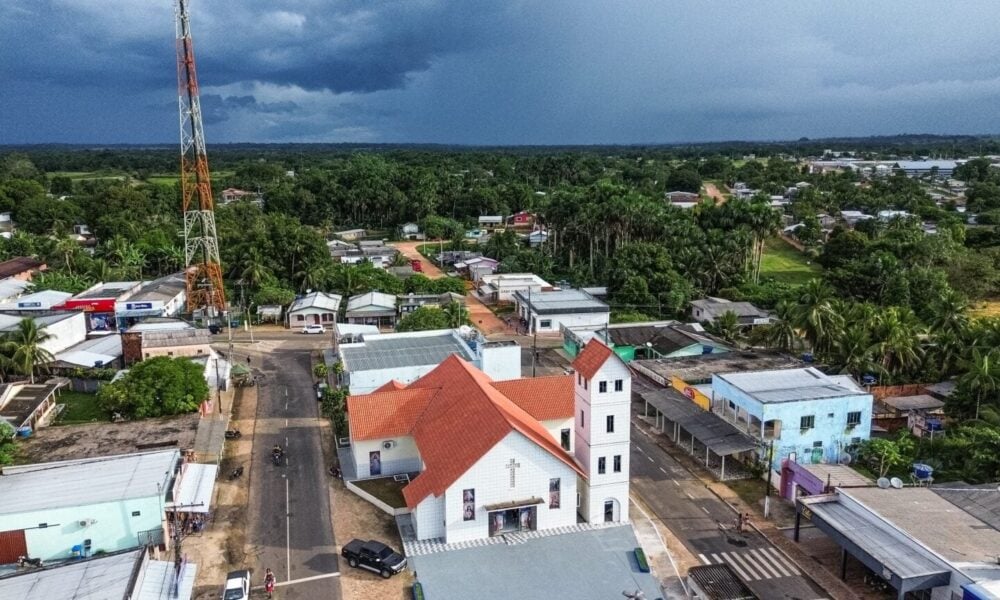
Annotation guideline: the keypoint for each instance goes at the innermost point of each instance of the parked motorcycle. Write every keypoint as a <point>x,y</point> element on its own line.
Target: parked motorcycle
<point>24,561</point>
<point>276,456</point>
<point>235,473</point>
<point>335,472</point>
<point>232,434</point>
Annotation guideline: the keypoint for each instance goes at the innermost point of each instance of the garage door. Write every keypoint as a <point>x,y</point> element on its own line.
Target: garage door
<point>12,545</point>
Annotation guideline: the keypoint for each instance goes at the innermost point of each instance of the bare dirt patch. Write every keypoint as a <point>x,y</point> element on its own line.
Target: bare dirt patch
<point>66,442</point>
<point>356,518</point>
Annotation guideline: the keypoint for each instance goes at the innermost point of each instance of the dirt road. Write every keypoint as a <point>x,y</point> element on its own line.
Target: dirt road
<point>712,191</point>
<point>409,250</point>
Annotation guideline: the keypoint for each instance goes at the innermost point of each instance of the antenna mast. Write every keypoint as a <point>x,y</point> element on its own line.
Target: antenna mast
<point>203,270</point>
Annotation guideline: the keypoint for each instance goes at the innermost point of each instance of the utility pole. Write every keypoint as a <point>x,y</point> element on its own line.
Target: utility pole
<point>770,470</point>
<point>534,329</point>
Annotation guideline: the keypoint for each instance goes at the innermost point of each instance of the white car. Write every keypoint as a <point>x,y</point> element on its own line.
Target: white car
<point>313,329</point>
<point>237,586</point>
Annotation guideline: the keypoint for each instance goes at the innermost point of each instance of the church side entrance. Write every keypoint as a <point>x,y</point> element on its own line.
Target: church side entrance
<point>512,520</point>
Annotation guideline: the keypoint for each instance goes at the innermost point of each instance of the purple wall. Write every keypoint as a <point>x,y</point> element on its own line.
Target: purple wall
<point>793,474</point>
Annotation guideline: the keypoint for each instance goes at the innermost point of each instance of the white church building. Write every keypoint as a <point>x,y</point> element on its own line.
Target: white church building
<point>498,457</point>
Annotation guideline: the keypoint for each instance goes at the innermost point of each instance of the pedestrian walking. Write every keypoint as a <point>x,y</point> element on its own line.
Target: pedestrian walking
<point>269,583</point>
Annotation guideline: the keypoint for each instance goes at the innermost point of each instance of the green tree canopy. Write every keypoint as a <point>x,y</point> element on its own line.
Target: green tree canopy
<point>424,319</point>
<point>156,387</point>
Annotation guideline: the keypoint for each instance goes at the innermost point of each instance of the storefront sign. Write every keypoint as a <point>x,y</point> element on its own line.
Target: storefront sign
<point>29,304</point>
<point>697,397</point>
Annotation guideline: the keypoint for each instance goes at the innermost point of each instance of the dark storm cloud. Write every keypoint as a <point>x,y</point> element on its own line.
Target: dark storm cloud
<point>481,71</point>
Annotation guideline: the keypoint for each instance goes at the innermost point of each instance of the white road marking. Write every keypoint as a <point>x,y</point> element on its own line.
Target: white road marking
<point>288,532</point>
<point>664,470</point>
<point>764,561</point>
<point>780,558</point>
<point>313,578</point>
<point>735,566</point>
<point>650,458</point>
<point>690,497</point>
<point>286,422</point>
<point>704,559</point>
<point>639,448</point>
<point>677,483</point>
<point>734,559</point>
<point>704,509</point>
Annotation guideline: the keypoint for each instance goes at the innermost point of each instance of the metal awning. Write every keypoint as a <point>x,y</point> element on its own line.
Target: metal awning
<point>194,494</point>
<point>718,435</point>
<point>876,543</point>
<point>513,504</point>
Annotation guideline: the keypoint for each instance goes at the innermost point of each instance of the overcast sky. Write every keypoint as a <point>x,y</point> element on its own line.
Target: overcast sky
<point>501,72</point>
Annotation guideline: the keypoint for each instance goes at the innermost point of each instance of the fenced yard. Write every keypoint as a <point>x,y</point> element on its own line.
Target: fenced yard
<point>784,264</point>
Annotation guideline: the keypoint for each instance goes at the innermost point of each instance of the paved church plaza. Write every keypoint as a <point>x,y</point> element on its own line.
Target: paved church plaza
<point>597,564</point>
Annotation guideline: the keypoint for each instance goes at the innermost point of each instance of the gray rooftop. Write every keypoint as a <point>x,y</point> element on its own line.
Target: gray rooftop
<point>716,307</point>
<point>934,521</point>
<point>917,402</point>
<point>86,481</point>
<point>699,369</point>
<point>317,300</point>
<point>42,321</point>
<point>372,301</point>
<point>393,351</point>
<point>876,537</point>
<point>562,302</point>
<point>980,501</point>
<point>787,385</point>
<point>112,289</point>
<point>163,289</point>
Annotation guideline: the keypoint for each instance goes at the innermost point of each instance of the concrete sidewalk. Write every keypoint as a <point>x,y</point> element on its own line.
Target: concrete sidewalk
<point>661,561</point>
<point>835,588</point>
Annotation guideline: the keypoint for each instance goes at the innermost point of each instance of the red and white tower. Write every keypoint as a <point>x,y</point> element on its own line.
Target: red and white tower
<point>201,245</point>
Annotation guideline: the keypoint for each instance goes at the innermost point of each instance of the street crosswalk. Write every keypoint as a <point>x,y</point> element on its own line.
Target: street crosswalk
<point>755,564</point>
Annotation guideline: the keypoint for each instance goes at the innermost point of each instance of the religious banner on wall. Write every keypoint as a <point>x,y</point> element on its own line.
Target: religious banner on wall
<point>554,492</point>
<point>469,505</point>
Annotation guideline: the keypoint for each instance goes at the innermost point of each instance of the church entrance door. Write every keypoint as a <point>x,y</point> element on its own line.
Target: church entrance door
<point>512,520</point>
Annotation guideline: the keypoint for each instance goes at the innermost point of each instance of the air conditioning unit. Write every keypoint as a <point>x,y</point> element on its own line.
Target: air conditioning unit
<point>389,444</point>
<point>87,522</point>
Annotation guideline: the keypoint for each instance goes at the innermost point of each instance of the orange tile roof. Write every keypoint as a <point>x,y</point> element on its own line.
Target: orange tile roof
<point>456,416</point>
<point>388,387</point>
<point>591,358</point>
<point>543,398</point>
<point>386,414</point>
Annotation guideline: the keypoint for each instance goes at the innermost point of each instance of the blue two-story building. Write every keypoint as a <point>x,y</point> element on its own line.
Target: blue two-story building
<point>798,412</point>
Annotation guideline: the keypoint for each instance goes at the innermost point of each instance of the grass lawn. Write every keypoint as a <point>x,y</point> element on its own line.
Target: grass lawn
<point>986,309</point>
<point>750,491</point>
<point>80,408</point>
<point>386,489</point>
<point>163,179</point>
<point>84,175</point>
<point>785,264</point>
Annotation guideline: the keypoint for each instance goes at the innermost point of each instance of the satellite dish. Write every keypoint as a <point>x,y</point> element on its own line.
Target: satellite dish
<point>896,483</point>
<point>845,459</point>
<point>883,483</point>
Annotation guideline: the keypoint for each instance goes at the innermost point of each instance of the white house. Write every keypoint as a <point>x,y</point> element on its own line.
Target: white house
<point>377,359</point>
<point>315,308</point>
<point>499,458</point>
<point>411,231</point>
<point>502,287</point>
<point>373,308</point>
<point>548,311</point>
<point>59,510</point>
<point>163,297</point>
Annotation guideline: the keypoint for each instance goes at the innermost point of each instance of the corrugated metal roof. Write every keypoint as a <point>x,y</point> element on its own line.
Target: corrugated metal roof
<point>375,300</point>
<point>318,300</point>
<point>562,301</point>
<point>165,288</point>
<point>787,385</point>
<point>719,435</point>
<point>111,289</point>
<point>396,351</point>
<point>86,481</point>
<point>12,288</point>
<point>94,579</point>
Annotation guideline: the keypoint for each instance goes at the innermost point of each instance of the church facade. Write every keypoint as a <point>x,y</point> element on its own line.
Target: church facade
<point>488,457</point>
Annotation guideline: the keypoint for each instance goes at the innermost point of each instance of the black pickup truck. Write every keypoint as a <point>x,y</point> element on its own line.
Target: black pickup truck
<point>374,556</point>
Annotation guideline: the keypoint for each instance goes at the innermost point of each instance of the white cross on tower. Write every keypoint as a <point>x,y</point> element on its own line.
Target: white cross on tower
<point>512,465</point>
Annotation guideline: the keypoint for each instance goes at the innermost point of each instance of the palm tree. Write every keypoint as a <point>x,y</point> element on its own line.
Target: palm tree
<point>780,333</point>
<point>852,351</point>
<point>950,314</point>
<point>816,315</point>
<point>25,345</point>
<point>457,314</point>
<point>68,249</point>
<point>727,327</point>
<point>983,376</point>
<point>897,346</point>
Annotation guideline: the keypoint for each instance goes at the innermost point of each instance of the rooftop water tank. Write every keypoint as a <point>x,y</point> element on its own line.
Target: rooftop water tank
<point>922,471</point>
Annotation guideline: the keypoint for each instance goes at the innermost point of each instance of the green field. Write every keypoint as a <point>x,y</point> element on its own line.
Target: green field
<point>84,175</point>
<point>785,264</point>
<point>80,408</point>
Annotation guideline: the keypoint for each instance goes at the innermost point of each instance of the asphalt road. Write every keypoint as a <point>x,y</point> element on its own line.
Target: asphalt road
<point>694,514</point>
<point>290,522</point>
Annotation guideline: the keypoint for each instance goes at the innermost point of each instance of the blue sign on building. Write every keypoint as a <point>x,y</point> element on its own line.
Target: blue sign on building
<point>138,305</point>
